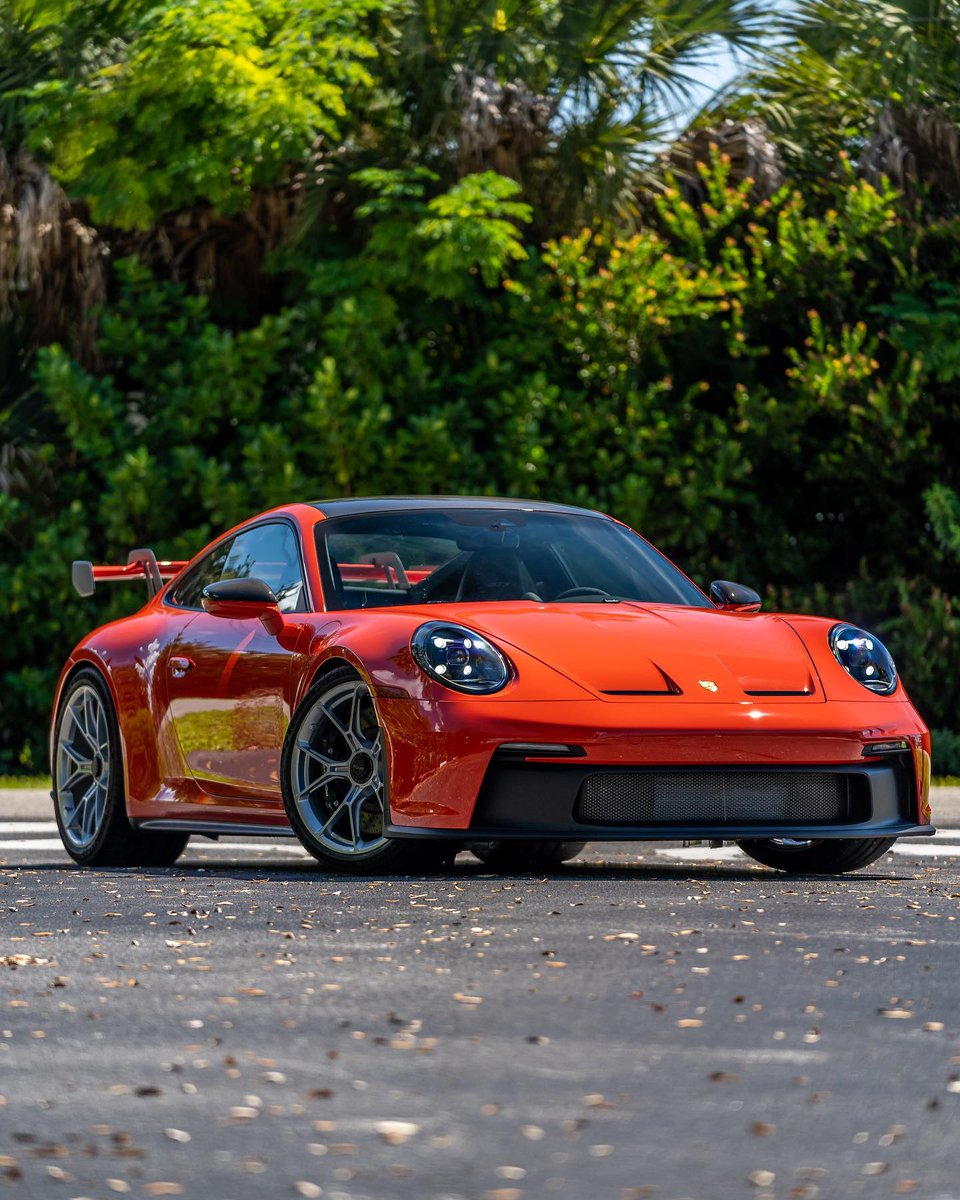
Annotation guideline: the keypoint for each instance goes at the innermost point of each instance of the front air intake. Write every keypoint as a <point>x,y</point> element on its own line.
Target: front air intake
<point>650,797</point>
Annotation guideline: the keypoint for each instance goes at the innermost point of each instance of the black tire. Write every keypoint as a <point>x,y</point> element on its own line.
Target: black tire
<point>831,856</point>
<point>517,855</point>
<point>310,815</point>
<point>111,840</point>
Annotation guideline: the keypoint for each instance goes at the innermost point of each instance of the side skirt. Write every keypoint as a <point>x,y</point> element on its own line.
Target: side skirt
<point>216,829</point>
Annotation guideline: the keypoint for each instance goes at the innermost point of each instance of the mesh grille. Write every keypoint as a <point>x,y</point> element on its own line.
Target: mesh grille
<point>740,797</point>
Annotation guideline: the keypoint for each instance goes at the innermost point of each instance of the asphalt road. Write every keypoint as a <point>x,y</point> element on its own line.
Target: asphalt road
<point>648,1021</point>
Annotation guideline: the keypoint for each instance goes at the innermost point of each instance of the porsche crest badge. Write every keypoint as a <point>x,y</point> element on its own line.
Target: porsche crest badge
<point>709,685</point>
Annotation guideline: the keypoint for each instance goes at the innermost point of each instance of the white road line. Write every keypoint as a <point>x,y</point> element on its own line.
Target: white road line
<point>702,853</point>
<point>30,844</point>
<point>281,847</point>
<point>928,849</point>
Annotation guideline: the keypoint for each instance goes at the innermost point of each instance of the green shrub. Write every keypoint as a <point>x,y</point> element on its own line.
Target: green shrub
<point>946,753</point>
<point>721,381</point>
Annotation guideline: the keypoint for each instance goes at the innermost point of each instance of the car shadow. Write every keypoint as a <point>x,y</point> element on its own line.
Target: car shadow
<point>465,870</point>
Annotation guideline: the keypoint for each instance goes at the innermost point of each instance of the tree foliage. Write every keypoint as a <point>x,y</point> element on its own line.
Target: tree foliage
<point>201,101</point>
<point>485,280</point>
<point>875,79</point>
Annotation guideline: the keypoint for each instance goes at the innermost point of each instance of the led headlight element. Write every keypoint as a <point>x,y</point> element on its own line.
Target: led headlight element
<point>864,657</point>
<point>459,658</point>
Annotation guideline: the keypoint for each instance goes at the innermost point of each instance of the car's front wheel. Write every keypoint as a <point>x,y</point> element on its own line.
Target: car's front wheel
<point>334,781</point>
<point>828,856</point>
<point>88,787</point>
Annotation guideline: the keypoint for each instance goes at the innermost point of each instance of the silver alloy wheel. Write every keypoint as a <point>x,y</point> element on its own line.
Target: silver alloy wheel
<point>337,774</point>
<point>793,843</point>
<point>83,766</point>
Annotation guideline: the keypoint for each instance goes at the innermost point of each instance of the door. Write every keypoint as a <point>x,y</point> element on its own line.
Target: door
<point>229,682</point>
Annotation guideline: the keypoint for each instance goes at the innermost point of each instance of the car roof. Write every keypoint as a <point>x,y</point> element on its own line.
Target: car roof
<point>373,504</point>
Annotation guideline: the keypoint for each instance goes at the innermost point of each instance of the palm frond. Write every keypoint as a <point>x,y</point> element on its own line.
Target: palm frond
<point>877,78</point>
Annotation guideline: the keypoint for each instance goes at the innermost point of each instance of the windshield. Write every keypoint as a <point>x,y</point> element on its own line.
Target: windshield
<point>482,555</point>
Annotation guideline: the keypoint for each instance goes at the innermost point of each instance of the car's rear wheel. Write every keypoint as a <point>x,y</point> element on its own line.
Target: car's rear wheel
<point>88,784</point>
<point>828,856</point>
<point>516,855</point>
<point>334,780</point>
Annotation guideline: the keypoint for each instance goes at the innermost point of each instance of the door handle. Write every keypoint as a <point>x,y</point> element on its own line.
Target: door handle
<point>179,666</point>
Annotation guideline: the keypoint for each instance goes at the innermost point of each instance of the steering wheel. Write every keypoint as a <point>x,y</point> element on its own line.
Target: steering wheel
<point>581,591</point>
<point>438,585</point>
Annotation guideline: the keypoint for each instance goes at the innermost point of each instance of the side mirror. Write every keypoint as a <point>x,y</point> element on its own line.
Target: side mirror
<point>243,600</point>
<point>734,597</point>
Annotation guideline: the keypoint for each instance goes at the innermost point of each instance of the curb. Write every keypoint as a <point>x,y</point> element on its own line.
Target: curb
<point>34,804</point>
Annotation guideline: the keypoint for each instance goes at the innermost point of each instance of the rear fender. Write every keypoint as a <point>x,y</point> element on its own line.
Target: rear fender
<point>126,665</point>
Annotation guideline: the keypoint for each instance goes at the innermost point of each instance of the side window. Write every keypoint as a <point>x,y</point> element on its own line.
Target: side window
<point>208,570</point>
<point>269,553</point>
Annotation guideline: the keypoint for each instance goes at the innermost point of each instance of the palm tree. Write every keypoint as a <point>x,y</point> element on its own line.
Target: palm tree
<point>877,79</point>
<point>52,263</point>
<point>48,256</point>
<point>571,99</point>
<point>747,146</point>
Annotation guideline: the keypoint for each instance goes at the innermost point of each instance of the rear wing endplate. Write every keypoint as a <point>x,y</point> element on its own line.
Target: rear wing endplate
<point>141,564</point>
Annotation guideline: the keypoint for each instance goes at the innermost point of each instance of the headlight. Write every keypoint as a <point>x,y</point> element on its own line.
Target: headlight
<point>459,658</point>
<point>864,657</point>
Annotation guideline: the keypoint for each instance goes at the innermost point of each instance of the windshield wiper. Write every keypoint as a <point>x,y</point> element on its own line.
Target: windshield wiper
<point>587,598</point>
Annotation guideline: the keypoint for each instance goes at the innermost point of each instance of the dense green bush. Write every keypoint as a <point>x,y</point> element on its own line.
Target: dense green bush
<point>946,753</point>
<point>726,381</point>
<point>416,245</point>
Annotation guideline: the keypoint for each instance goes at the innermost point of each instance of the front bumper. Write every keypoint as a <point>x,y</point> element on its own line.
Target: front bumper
<point>451,774</point>
<point>581,802</point>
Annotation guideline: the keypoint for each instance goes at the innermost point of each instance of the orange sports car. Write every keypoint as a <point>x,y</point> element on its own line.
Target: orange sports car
<point>392,679</point>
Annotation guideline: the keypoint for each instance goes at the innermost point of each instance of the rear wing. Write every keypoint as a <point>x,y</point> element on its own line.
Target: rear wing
<point>141,564</point>
<point>383,572</point>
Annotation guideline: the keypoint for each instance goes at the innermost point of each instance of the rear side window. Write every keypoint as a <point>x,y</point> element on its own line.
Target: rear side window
<point>266,552</point>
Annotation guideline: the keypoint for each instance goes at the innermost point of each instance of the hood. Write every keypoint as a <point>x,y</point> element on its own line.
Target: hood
<point>628,650</point>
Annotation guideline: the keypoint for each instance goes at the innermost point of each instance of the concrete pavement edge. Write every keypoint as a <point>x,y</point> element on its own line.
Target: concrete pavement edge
<point>34,804</point>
